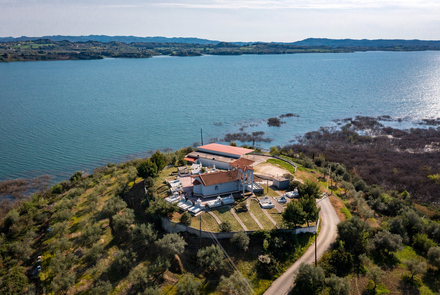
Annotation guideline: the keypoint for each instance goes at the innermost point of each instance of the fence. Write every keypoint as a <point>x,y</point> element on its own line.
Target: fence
<point>173,227</point>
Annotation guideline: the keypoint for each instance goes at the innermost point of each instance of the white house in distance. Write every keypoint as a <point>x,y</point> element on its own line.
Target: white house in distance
<point>216,154</point>
<point>239,179</point>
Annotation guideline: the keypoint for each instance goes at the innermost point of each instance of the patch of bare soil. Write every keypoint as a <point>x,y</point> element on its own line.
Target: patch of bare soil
<point>267,168</point>
<point>337,205</point>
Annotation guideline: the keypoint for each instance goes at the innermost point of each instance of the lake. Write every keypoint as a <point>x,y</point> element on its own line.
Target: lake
<point>57,117</point>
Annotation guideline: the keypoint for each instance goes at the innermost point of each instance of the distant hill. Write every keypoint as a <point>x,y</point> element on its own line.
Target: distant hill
<point>313,42</point>
<point>104,38</point>
<point>363,43</point>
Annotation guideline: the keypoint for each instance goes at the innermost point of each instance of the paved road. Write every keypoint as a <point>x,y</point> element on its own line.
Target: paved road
<point>326,236</point>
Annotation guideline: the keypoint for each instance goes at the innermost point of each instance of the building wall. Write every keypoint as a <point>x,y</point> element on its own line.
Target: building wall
<point>210,163</point>
<point>222,188</point>
<point>219,153</point>
<point>283,184</point>
<point>173,227</point>
<point>197,189</point>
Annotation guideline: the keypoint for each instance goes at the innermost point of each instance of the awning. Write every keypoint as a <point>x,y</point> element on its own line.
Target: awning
<point>190,159</point>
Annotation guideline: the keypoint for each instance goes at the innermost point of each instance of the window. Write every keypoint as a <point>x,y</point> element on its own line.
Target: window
<point>216,187</point>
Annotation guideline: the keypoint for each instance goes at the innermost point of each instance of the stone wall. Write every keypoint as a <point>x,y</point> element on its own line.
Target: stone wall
<point>173,227</point>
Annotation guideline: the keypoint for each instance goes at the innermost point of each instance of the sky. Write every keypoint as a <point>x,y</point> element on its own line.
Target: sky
<point>224,20</point>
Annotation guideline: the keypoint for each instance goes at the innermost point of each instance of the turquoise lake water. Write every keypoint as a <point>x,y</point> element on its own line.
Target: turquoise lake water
<point>62,116</point>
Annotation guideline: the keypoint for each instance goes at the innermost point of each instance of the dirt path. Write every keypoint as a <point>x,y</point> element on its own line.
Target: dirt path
<point>238,218</point>
<point>215,217</point>
<point>248,203</point>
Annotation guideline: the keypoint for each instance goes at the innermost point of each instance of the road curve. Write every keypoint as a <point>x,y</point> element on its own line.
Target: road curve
<point>326,236</point>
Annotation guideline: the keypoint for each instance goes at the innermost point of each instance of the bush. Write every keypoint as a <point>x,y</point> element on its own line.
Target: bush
<point>267,266</point>
<point>185,219</point>
<point>241,240</point>
<point>423,243</point>
<point>434,256</point>
<point>309,280</point>
<point>188,285</point>
<point>236,284</point>
<point>225,226</point>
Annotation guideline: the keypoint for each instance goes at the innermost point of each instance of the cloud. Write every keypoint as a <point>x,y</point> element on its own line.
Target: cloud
<point>299,4</point>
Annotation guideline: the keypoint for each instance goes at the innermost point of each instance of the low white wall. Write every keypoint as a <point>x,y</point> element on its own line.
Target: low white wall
<point>173,227</point>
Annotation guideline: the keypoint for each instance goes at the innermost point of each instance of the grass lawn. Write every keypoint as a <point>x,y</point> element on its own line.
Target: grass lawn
<point>224,214</point>
<point>271,192</point>
<point>208,223</point>
<point>247,219</point>
<point>276,216</point>
<point>258,212</point>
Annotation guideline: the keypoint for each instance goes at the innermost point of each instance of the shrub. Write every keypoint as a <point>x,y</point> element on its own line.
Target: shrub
<point>241,240</point>
<point>338,286</point>
<point>188,285</point>
<point>225,226</point>
<point>236,284</point>
<point>267,266</point>
<point>434,256</point>
<point>309,280</point>
<point>185,218</point>
<point>423,243</point>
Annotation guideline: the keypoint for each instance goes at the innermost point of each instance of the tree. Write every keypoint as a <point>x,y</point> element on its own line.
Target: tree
<point>294,214</point>
<point>113,206</point>
<point>143,234</point>
<point>236,284</point>
<point>210,258</point>
<point>13,281</point>
<point>63,282</point>
<point>386,242</point>
<point>11,218</point>
<point>376,275</point>
<point>94,254</point>
<point>147,168</point>
<point>241,240</point>
<point>102,288</point>
<point>158,159</point>
<point>225,226</point>
<point>76,176</point>
<point>415,267</point>
<point>90,235</point>
<point>311,211</point>
<point>341,260</point>
<point>122,222</point>
<point>354,232</point>
<point>338,286</point>
<point>309,280</point>
<point>347,186</point>
<point>434,256</point>
<point>185,218</point>
<point>310,188</point>
<point>423,243</point>
<point>397,226</point>
<point>188,285</point>
<point>170,245</point>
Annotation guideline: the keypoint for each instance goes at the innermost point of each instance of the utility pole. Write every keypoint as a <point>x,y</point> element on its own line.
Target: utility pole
<point>201,135</point>
<point>200,232</point>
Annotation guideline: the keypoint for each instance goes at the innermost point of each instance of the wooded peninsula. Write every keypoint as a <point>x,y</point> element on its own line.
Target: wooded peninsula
<point>47,49</point>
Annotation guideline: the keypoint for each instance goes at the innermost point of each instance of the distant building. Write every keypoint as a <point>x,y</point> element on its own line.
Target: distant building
<point>216,154</point>
<point>281,182</point>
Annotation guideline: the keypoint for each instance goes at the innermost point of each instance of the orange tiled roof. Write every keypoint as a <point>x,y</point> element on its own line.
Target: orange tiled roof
<point>218,177</point>
<point>243,164</point>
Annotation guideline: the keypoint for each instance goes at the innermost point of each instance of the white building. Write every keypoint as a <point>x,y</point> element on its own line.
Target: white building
<point>216,154</point>
<point>237,180</point>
